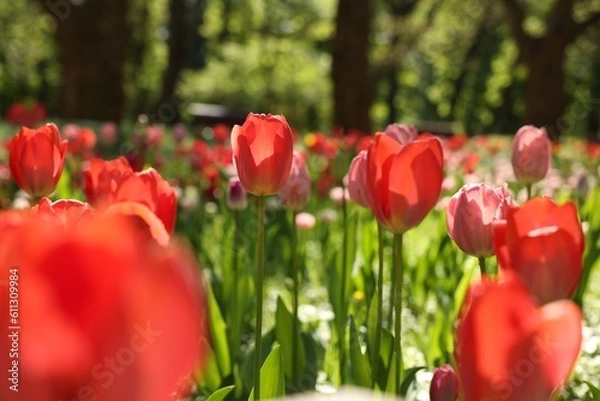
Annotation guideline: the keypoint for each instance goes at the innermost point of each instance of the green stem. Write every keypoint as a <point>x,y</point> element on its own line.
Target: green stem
<point>295,279</point>
<point>234,285</point>
<point>482,267</point>
<point>392,291</point>
<point>260,249</point>
<point>529,188</point>
<point>343,311</point>
<point>378,328</point>
<point>398,268</point>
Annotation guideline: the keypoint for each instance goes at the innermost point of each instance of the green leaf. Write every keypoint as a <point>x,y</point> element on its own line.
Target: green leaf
<point>209,378</point>
<point>220,394</point>
<point>594,390</point>
<point>360,364</point>
<point>284,334</point>
<point>218,334</point>
<point>409,377</point>
<point>272,377</point>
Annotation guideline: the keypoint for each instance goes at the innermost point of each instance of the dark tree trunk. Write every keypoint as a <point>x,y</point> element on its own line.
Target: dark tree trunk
<point>175,42</point>
<point>93,40</point>
<point>350,66</point>
<point>545,98</point>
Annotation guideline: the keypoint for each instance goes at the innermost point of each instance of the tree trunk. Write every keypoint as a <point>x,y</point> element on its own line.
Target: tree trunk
<point>175,61</point>
<point>93,40</point>
<point>545,96</point>
<point>350,66</point>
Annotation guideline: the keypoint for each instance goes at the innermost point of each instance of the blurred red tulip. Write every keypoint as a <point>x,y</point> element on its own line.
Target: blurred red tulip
<point>37,158</point>
<point>262,151</point>
<point>105,314</point>
<point>64,212</point>
<point>357,180</point>
<point>509,348</point>
<point>542,242</point>
<point>531,154</point>
<point>470,215</point>
<point>295,194</point>
<point>21,115</point>
<point>83,142</point>
<point>143,219</point>
<point>150,189</point>
<point>404,182</point>
<point>102,175</point>
<point>319,144</point>
<point>221,133</point>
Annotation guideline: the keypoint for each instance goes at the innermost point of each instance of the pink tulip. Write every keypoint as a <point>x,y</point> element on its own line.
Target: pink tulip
<point>470,214</point>
<point>295,194</point>
<point>531,154</point>
<point>402,133</point>
<point>357,180</point>
<point>305,221</point>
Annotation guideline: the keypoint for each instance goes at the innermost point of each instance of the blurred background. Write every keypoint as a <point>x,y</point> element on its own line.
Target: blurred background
<point>477,66</point>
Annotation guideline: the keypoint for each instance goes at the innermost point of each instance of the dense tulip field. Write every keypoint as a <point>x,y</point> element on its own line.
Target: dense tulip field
<point>256,263</point>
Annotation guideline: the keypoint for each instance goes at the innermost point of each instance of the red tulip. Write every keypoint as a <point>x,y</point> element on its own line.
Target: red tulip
<point>150,189</point>
<point>542,242</point>
<point>102,175</point>
<point>509,348</point>
<point>63,212</point>
<point>37,158</point>
<point>404,182</point>
<point>295,194</point>
<point>470,215</point>
<point>531,154</point>
<point>262,153</point>
<point>104,314</point>
<point>357,180</point>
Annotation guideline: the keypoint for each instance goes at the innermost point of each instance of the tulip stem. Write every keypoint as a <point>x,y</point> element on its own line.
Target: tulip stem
<point>398,268</point>
<point>234,286</point>
<point>343,310</point>
<point>260,249</point>
<point>529,188</point>
<point>378,327</point>
<point>482,267</point>
<point>295,280</point>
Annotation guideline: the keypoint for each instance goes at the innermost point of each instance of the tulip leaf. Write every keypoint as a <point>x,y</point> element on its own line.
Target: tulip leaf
<point>272,377</point>
<point>218,333</point>
<point>409,378</point>
<point>209,378</point>
<point>361,367</point>
<point>285,337</point>
<point>594,390</point>
<point>220,394</point>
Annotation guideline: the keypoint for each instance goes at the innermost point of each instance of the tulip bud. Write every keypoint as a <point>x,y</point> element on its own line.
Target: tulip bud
<point>357,180</point>
<point>531,154</point>
<point>295,194</point>
<point>470,214</point>
<point>402,133</point>
<point>444,384</point>
<point>37,158</point>
<point>237,197</point>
